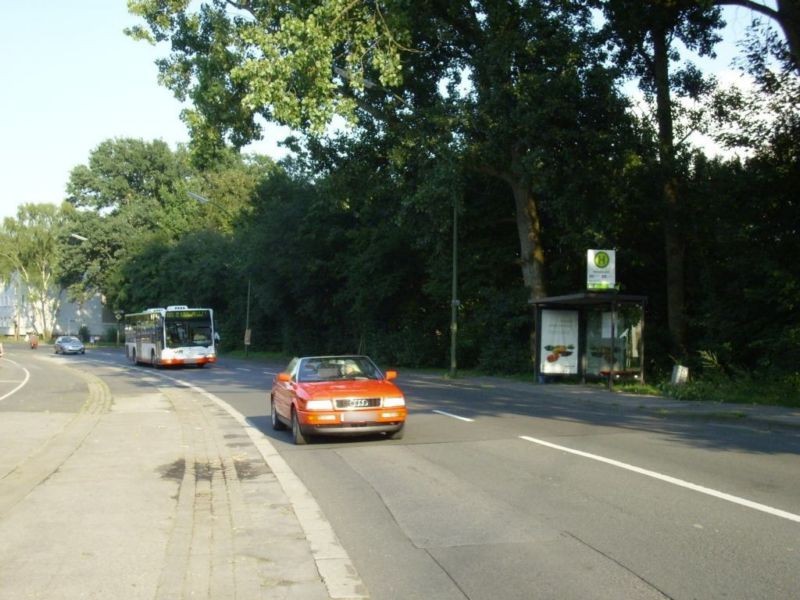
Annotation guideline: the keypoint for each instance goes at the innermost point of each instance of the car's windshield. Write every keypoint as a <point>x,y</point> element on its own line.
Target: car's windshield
<point>69,339</point>
<point>336,368</point>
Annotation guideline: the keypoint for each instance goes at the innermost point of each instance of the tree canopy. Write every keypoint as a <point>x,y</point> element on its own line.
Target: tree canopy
<point>507,115</point>
<point>30,250</point>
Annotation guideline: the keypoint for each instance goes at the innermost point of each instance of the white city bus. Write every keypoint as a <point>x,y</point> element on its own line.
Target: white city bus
<point>176,335</point>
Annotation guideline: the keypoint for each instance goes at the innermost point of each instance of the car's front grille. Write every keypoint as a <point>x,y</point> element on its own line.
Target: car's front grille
<point>358,403</point>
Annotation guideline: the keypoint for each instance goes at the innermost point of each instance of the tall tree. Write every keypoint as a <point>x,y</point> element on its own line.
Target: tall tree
<point>128,190</point>
<point>145,180</point>
<point>519,86</point>
<point>134,195</point>
<point>543,112</point>
<point>646,34</point>
<point>30,249</point>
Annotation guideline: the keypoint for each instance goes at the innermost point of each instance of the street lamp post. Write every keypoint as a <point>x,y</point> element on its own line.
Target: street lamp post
<point>204,200</point>
<point>454,302</point>
<point>454,295</point>
<point>83,296</point>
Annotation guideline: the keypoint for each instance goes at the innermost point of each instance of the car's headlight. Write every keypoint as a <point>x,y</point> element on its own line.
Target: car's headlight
<point>319,405</point>
<point>394,401</point>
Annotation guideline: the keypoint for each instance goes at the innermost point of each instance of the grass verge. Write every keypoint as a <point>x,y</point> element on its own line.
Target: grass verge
<point>779,391</point>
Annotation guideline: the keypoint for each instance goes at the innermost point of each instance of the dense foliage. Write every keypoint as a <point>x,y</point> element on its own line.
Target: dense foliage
<point>507,115</point>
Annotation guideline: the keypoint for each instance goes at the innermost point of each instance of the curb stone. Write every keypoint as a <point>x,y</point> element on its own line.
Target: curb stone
<point>333,563</point>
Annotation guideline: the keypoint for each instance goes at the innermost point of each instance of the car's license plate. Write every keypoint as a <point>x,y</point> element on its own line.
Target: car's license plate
<point>359,416</point>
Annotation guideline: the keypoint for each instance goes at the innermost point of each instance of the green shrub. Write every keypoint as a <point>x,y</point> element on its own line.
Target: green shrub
<point>778,390</point>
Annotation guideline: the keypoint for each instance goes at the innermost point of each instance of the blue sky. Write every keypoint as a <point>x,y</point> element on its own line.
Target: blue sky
<point>71,79</point>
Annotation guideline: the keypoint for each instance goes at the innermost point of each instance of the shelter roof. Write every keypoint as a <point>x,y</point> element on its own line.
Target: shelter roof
<point>591,298</point>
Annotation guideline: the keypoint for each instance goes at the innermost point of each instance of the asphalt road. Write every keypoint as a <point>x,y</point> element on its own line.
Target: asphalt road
<point>507,490</point>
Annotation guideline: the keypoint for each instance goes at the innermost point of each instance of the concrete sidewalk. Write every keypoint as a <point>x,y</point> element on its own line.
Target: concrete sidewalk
<point>161,494</point>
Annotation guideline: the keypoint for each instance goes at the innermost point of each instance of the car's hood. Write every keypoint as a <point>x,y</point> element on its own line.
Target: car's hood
<point>357,388</point>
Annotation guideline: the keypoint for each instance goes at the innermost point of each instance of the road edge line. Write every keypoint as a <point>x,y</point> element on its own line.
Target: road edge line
<point>22,384</point>
<point>333,563</point>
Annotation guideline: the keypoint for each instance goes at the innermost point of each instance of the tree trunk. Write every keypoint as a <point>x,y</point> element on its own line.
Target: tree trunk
<point>789,19</point>
<point>529,228</point>
<point>531,255</point>
<point>674,242</point>
<point>529,231</point>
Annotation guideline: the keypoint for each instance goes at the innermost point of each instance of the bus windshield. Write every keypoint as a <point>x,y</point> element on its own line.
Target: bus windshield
<point>188,328</point>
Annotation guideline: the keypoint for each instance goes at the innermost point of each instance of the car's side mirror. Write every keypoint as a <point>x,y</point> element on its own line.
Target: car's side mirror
<point>284,377</point>
<point>391,375</point>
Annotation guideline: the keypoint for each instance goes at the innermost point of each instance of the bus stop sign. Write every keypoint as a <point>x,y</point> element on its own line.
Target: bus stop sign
<point>601,270</point>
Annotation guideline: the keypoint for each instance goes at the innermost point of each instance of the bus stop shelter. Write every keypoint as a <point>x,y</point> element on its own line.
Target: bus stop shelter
<point>590,335</point>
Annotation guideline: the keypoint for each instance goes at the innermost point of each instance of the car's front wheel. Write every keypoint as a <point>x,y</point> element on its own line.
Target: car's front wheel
<point>297,434</point>
<point>277,424</point>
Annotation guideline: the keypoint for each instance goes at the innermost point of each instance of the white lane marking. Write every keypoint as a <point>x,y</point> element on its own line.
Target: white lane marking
<point>22,384</point>
<point>673,480</point>
<point>242,369</point>
<point>452,416</point>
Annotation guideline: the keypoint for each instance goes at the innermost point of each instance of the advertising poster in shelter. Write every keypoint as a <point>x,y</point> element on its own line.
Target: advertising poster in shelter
<point>559,339</point>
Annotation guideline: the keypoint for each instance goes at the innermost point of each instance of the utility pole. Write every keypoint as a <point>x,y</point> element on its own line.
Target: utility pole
<point>454,296</point>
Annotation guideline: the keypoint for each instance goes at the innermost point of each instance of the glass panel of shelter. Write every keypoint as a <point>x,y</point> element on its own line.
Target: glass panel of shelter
<point>626,350</point>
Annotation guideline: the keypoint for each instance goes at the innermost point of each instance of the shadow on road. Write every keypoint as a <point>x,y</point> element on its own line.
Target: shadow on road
<point>711,426</point>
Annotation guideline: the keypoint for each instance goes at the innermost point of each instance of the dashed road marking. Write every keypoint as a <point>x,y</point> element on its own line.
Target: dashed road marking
<point>452,416</point>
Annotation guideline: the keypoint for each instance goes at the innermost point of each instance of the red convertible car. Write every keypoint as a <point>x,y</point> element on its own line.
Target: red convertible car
<point>336,395</point>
